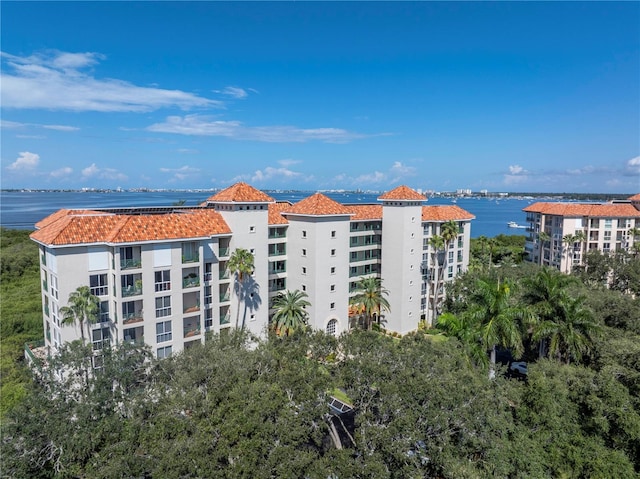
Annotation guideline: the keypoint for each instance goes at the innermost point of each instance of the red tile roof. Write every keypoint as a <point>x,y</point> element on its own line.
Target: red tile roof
<point>601,210</point>
<point>635,197</point>
<point>445,213</point>
<point>241,193</point>
<point>402,193</point>
<point>71,227</point>
<point>319,205</point>
<point>275,212</point>
<point>366,212</point>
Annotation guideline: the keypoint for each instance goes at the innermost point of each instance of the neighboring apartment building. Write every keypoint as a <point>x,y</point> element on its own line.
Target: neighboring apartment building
<point>555,230</point>
<point>162,273</point>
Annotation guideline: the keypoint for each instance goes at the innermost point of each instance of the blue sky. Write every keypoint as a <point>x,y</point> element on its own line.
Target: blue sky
<point>503,96</point>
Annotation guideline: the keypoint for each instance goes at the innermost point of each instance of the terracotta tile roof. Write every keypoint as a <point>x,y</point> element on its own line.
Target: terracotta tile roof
<point>635,197</point>
<point>241,193</point>
<point>318,205</point>
<point>445,213</point>
<point>64,212</point>
<point>275,212</point>
<point>402,193</point>
<point>601,210</point>
<point>78,227</point>
<point>366,212</point>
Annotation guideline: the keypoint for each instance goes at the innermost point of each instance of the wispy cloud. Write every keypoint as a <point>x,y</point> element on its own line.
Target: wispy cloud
<point>207,126</point>
<point>59,81</point>
<point>26,161</point>
<point>517,174</point>
<point>182,173</point>
<point>64,172</point>
<point>396,173</point>
<point>235,92</point>
<point>93,171</point>
<point>60,127</point>
<point>632,168</point>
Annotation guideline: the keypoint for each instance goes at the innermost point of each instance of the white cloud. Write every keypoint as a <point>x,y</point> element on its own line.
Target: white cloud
<point>182,173</point>
<point>62,172</point>
<point>632,168</point>
<point>517,174</point>
<point>400,171</point>
<point>93,171</point>
<point>235,92</point>
<point>26,161</point>
<point>55,80</point>
<point>369,178</point>
<point>11,124</point>
<point>60,127</point>
<point>207,126</point>
<point>270,173</point>
<point>288,162</point>
<point>516,169</point>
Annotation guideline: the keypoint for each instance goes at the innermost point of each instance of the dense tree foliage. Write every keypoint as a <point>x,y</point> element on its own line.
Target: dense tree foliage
<point>20,311</point>
<point>238,406</point>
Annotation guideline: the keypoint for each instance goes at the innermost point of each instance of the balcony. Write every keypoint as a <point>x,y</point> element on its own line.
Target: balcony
<point>225,296</point>
<point>134,335</point>
<point>277,249</point>
<point>275,233</point>
<point>224,274</point>
<point>223,251</point>
<point>35,352</point>
<point>191,281</point>
<point>130,263</point>
<point>193,258</point>
<point>131,290</point>
<point>191,328</point>
<point>226,319</point>
<point>132,318</point>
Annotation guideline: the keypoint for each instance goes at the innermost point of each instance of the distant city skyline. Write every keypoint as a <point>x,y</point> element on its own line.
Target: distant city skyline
<point>442,96</point>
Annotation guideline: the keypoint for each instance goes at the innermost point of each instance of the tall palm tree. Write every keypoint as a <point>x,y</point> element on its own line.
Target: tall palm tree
<point>546,294</point>
<point>634,233</point>
<point>449,231</point>
<point>580,237</point>
<point>370,299</point>
<point>500,321</point>
<point>571,333</point>
<point>82,308</point>
<point>437,243</point>
<point>290,313</point>
<point>568,240</point>
<point>241,262</point>
<point>543,237</point>
<point>467,332</point>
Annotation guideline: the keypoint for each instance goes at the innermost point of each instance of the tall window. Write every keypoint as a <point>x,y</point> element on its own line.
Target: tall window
<point>331,327</point>
<point>104,311</point>
<point>98,284</point>
<point>163,331</point>
<point>163,280</point>
<point>54,286</point>
<point>100,338</point>
<point>164,352</point>
<point>163,306</point>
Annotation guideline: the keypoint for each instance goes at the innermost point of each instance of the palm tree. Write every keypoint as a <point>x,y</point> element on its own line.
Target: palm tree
<point>568,240</point>
<point>500,322</point>
<point>580,237</point>
<point>543,237</point>
<point>290,311</point>
<point>546,294</point>
<point>82,308</point>
<point>634,233</point>
<point>437,242</point>
<point>467,332</point>
<point>241,263</point>
<point>370,299</point>
<point>571,333</point>
<point>449,231</point>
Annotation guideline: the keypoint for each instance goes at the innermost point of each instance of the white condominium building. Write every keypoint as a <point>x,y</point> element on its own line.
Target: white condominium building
<point>561,233</point>
<point>162,274</point>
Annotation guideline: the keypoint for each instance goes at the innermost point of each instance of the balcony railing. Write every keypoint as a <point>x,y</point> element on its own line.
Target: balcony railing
<point>190,331</point>
<point>276,234</point>
<point>191,258</point>
<point>130,263</point>
<point>224,297</point>
<point>224,274</point>
<point>278,252</point>
<point>131,291</point>
<point>131,318</point>
<point>190,282</point>
<point>226,319</point>
<point>223,251</point>
<point>35,351</point>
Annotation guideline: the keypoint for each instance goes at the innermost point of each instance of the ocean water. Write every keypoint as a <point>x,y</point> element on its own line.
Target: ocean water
<point>21,210</point>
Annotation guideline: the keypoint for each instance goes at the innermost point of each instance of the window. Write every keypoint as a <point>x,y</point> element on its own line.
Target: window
<point>104,311</point>
<point>252,229</point>
<point>304,287</point>
<point>333,287</point>
<point>207,295</point>
<point>163,280</point>
<point>98,284</point>
<point>450,256</point>
<point>304,252</point>
<point>100,338</point>
<point>450,272</point>
<point>208,318</point>
<point>332,306</point>
<point>164,352</point>
<point>304,233</point>
<point>333,252</point>
<point>333,270</point>
<point>163,306</point>
<point>304,270</point>
<point>354,255</point>
<point>333,234</point>
<point>163,331</point>
<point>331,327</point>
<point>54,286</point>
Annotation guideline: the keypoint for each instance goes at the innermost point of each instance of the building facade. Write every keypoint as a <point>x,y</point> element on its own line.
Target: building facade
<point>561,233</point>
<point>162,274</point>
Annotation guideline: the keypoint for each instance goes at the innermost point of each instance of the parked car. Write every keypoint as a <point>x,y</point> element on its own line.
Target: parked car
<point>518,367</point>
